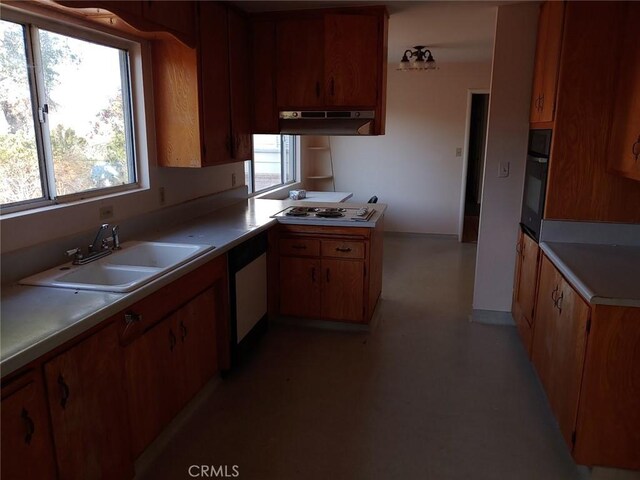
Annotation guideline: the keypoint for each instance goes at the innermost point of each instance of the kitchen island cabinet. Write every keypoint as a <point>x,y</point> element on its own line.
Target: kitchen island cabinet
<point>329,273</point>
<point>27,450</point>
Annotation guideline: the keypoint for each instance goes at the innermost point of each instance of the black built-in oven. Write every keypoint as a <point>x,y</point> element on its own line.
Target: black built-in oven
<point>535,182</point>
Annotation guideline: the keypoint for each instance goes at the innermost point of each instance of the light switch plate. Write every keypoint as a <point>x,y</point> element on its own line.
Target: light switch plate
<point>503,170</point>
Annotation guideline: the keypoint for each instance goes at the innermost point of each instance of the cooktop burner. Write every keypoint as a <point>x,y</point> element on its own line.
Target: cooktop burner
<point>346,214</point>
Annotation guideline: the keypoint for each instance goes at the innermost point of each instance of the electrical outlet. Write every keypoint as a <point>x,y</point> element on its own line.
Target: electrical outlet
<point>233,179</point>
<point>105,212</point>
<point>503,170</point>
<point>162,197</point>
<point>458,152</point>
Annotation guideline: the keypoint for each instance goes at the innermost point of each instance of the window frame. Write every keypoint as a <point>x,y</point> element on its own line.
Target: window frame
<point>134,113</point>
<point>295,140</point>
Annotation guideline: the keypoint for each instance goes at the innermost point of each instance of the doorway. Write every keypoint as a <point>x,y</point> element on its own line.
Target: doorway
<point>475,148</point>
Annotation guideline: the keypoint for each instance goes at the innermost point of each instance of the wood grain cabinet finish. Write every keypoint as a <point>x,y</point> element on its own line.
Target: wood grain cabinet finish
<point>624,141</point>
<point>559,346</point>
<point>547,60</point>
<point>27,449</point>
<point>580,184</point>
<point>525,287</point>
<point>588,360</point>
<point>87,404</point>
<point>263,75</point>
<point>326,272</point>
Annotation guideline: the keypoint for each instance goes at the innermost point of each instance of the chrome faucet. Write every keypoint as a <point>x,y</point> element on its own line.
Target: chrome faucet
<point>93,248</point>
<point>98,248</point>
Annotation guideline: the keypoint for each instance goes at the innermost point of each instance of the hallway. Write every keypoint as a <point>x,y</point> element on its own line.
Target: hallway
<point>424,395</point>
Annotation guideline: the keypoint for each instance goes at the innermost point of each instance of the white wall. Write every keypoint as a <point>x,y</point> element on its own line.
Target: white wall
<point>414,167</point>
<point>506,142</point>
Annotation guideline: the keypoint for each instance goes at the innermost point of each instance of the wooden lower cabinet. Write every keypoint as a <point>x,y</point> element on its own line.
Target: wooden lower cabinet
<point>559,346</point>
<point>587,357</point>
<point>524,292</point>
<point>326,273</point>
<point>27,450</point>
<point>167,365</point>
<point>87,404</point>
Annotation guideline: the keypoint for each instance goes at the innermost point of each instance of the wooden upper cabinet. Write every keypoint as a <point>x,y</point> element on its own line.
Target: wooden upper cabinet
<point>263,81</point>
<point>176,104</point>
<point>351,50</point>
<point>214,88</point>
<point>240,85</point>
<point>624,141</point>
<point>87,403</point>
<point>559,346</point>
<point>173,16</point>
<point>299,62</point>
<point>27,450</point>
<point>547,61</point>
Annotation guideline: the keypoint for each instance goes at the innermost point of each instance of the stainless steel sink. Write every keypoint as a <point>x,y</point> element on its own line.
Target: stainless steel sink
<point>135,265</point>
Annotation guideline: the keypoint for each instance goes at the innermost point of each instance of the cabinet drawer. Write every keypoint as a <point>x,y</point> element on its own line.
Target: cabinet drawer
<point>304,247</point>
<point>342,249</point>
<point>140,316</point>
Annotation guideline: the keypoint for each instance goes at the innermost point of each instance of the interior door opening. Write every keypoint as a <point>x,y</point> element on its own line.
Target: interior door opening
<point>475,166</point>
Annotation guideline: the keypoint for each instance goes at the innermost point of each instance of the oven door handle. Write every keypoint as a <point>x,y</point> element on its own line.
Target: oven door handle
<point>532,158</point>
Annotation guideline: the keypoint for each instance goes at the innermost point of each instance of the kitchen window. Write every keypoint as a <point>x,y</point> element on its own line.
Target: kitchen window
<point>66,119</point>
<point>273,164</point>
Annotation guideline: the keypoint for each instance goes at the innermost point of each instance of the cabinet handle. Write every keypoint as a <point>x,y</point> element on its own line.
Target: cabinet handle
<point>553,296</point>
<point>184,330</point>
<point>343,249</point>
<point>317,89</point>
<point>29,426</point>
<point>542,102</point>
<point>64,391</point>
<point>132,317</point>
<point>519,248</point>
<point>328,279</point>
<point>313,274</point>
<point>172,340</point>
<point>332,87</point>
<point>299,247</point>
<point>635,149</point>
<point>559,301</point>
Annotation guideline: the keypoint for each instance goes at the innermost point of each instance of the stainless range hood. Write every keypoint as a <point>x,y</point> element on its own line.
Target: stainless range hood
<point>327,122</point>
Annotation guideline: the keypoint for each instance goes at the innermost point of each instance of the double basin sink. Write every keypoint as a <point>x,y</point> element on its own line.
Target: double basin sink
<point>125,270</point>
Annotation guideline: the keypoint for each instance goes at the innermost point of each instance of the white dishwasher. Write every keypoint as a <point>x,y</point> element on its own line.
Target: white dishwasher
<point>248,295</point>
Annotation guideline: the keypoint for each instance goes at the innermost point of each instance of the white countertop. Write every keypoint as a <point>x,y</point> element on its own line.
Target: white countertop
<point>602,274</point>
<point>337,197</point>
<point>35,320</point>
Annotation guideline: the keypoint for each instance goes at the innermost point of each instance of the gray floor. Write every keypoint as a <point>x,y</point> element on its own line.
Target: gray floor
<point>424,395</point>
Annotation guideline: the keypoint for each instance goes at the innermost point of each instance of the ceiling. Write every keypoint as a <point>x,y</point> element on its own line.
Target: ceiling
<point>456,31</point>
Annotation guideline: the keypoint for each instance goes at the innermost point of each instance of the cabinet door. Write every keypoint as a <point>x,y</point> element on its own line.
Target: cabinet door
<point>528,277</point>
<point>562,338</point>
<point>299,62</point>
<point>153,382</point>
<point>263,76</point>
<point>87,403</point>
<point>214,70</point>
<point>624,141</point>
<point>197,339</point>
<point>547,61</point>
<point>176,104</point>
<point>351,50</point>
<point>27,451</point>
<point>343,290</point>
<point>240,86</point>
<point>300,287</point>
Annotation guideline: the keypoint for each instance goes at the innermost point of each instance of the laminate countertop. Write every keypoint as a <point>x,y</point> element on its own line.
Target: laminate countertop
<point>35,320</point>
<point>602,274</point>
